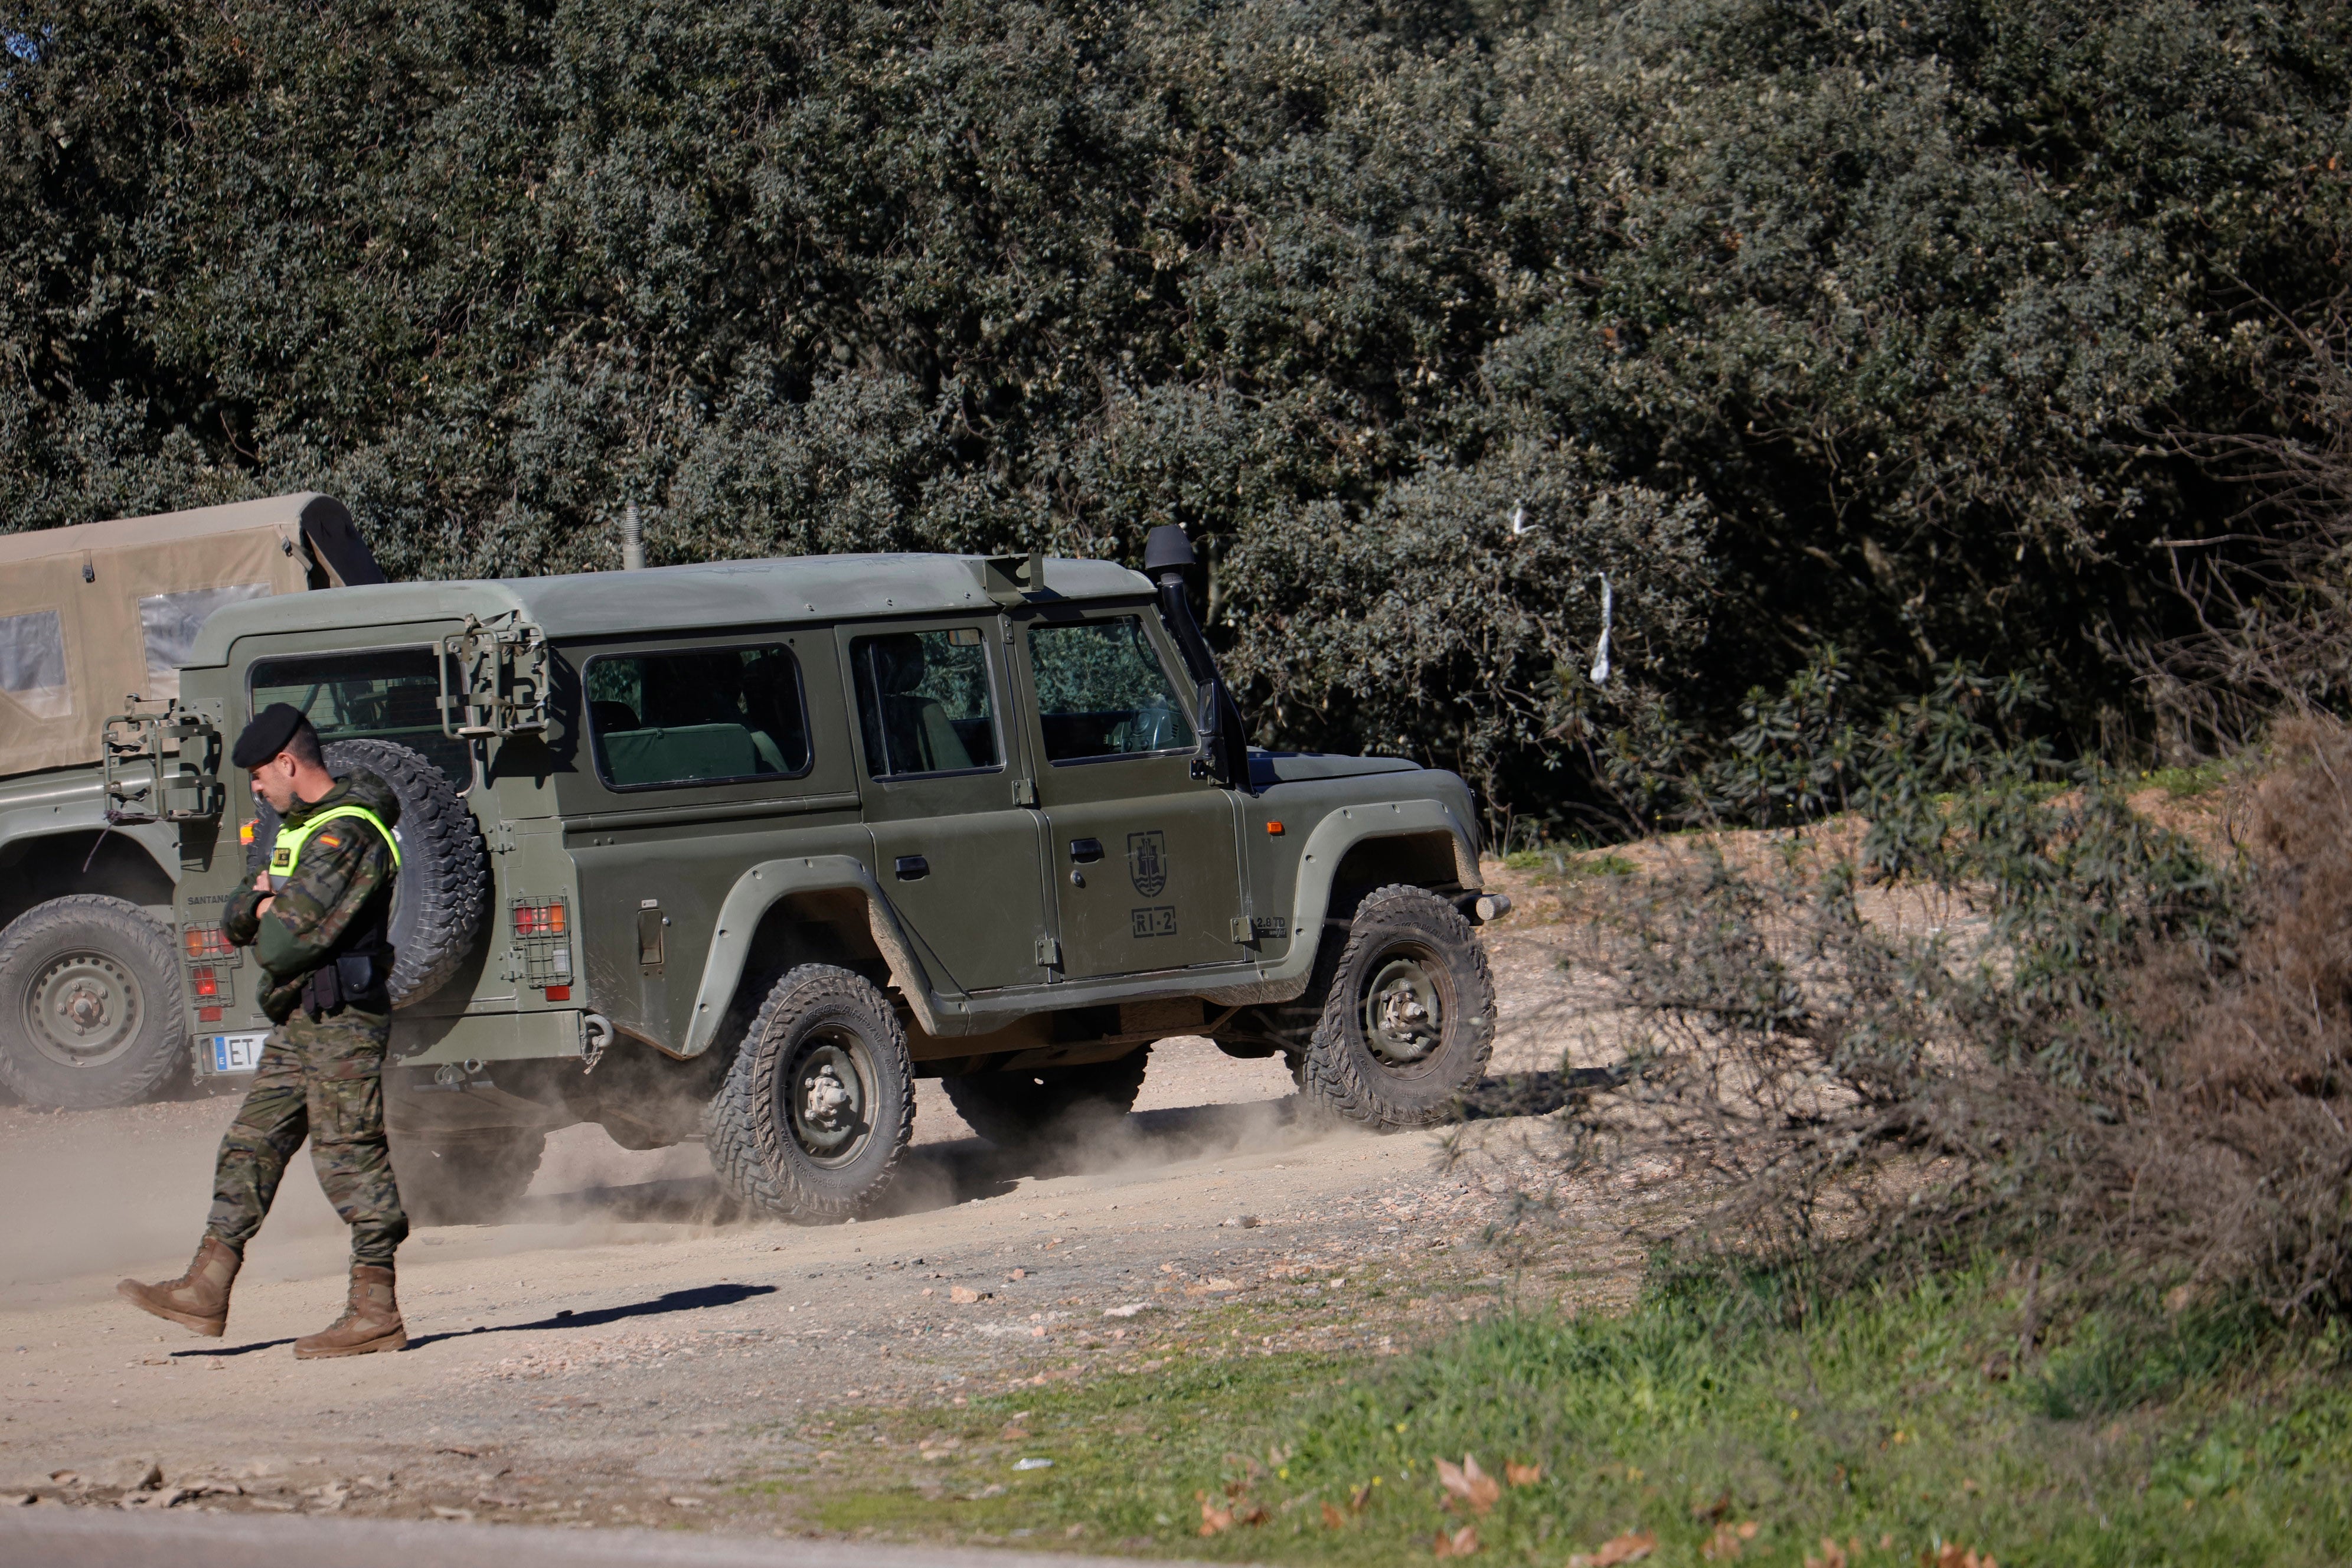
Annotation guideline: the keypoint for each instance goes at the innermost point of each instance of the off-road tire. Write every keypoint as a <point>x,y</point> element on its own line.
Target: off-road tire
<point>123,959</point>
<point>1341,1073</point>
<point>442,899</point>
<point>465,1178</point>
<point>1013,1109</point>
<point>755,1144</point>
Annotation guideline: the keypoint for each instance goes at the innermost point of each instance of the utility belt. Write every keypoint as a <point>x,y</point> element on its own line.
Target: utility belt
<point>361,980</point>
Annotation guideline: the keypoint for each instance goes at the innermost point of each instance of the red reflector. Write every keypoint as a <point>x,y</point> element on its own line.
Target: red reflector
<point>206,981</point>
<point>208,1015</point>
<point>1274,830</point>
<point>559,992</point>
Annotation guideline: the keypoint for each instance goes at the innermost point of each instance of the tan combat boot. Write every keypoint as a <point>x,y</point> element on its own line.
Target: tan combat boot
<point>372,1322</point>
<point>197,1299</point>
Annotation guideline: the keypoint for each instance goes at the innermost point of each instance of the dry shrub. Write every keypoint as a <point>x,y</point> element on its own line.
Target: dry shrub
<point>2012,1017</point>
<point>2240,1165</point>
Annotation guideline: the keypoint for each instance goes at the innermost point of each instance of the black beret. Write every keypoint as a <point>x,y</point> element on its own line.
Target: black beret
<point>267,735</point>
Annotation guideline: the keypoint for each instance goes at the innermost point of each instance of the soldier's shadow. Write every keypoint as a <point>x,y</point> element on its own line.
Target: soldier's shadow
<point>700,1298</point>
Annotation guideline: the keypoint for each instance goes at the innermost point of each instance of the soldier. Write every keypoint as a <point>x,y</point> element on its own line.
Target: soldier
<point>315,918</point>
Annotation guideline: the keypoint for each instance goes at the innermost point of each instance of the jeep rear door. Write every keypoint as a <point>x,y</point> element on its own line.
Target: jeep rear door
<point>1143,855</point>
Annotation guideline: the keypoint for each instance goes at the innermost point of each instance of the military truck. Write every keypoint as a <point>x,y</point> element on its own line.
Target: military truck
<point>90,1010</point>
<point>737,851</point>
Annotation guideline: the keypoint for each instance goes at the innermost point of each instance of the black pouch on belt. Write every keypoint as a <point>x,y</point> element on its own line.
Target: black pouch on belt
<point>322,990</point>
<point>356,974</point>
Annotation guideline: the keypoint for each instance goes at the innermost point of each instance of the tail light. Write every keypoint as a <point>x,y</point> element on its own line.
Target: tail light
<point>205,981</point>
<point>539,920</point>
<point>205,941</point>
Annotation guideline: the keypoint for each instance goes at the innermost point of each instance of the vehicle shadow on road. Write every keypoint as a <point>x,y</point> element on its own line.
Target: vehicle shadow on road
<point>1535,1093</point>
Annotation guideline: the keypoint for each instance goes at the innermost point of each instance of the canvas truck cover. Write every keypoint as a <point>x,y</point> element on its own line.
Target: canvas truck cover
<point>94,613</point>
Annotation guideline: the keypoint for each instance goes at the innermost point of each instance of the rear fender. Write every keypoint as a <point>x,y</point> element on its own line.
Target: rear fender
<point>747,906</point>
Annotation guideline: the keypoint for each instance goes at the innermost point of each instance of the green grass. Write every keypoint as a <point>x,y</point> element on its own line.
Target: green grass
<point>1570,863</point>
<point>2207,1438</point>
<point>2186,783</point>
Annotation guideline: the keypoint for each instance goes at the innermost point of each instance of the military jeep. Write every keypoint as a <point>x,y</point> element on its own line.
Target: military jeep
<point>737,851</point>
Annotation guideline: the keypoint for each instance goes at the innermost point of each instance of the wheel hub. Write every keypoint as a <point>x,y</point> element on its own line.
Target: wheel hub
<point>1403,1018</point>
<point>82,1009</point>
<point>828,1099</point>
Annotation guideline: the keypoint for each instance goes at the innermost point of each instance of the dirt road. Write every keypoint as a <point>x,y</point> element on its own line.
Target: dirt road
<point>611,1355</point>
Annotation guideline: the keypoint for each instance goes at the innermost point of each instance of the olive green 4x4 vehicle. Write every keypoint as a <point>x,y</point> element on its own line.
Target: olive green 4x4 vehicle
<point>737,851</point>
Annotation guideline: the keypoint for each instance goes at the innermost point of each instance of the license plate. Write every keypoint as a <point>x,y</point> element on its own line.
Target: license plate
<point>237,1053</point>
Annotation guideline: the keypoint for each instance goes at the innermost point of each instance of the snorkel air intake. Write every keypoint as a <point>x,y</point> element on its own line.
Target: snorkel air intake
<point>1168,560</point>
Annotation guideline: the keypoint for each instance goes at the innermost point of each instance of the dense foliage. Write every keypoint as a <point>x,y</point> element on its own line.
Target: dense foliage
<point>1851,322</point>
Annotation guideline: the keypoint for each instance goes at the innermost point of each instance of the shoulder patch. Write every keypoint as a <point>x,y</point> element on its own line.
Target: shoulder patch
<point>331,840</point>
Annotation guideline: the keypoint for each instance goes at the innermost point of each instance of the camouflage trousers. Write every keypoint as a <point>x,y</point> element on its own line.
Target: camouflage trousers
<point>323,1079</point>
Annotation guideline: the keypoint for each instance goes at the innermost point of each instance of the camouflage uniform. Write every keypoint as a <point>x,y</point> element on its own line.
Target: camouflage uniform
<point>320,1075</point>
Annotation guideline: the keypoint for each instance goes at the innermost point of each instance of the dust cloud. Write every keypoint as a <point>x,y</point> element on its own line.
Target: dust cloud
<point>95,1194</point>
<point>103,1192</point>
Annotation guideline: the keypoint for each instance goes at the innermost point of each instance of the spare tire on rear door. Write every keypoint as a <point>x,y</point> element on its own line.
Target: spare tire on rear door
<point>443,896</point>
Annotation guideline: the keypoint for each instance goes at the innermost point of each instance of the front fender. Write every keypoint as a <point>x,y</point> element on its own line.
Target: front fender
<point>758,891</point>
<point>1327,846</point>
<point>38,808</point>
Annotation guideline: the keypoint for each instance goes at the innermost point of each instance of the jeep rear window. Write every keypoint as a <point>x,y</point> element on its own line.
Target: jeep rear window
<point>717,715</point>
<point>382,694</point>
<point>923,703</point>
<point>1102,692</point>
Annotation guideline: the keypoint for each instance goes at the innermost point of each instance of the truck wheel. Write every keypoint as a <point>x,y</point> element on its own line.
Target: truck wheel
<point>1009,1109</point>
<point>1408,1013</point>
<point>443,896</point>
<point>819,1102</point>
<point>465,1178</point>
<point>90,1009</point>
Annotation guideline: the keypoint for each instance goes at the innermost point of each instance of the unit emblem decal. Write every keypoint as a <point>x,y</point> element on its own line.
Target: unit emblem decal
<point>1147,862</point>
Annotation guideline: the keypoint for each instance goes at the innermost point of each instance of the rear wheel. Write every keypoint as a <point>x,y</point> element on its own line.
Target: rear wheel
<point>1009,1109</point>
<point>819,1102</point>
<point>90,1007</point>
<point>465,1178</point>
<point>1408,1013</point>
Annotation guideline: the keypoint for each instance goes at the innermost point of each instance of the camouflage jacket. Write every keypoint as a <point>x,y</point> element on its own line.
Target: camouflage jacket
<point>342,871</point>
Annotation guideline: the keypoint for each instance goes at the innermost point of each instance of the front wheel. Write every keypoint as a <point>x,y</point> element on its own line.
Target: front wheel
<point>819,1102</point>
<point>1408,1017</point>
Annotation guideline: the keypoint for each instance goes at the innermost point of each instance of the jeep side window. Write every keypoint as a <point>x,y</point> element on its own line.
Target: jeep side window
<point>923,703</point>
<point>1102,692</point>
<point>723,715</point>
<point>382,694</point>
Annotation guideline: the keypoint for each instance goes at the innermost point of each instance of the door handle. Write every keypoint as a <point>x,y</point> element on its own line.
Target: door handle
<point>911,867</point>
<point>1086,851</point>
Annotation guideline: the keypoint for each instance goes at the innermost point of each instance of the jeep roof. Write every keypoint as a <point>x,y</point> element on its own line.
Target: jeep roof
<point>674,598</point>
